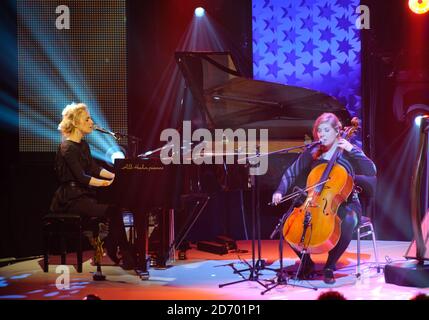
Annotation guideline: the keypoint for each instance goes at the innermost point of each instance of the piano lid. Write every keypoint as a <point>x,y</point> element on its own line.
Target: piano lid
<point>228,100</point>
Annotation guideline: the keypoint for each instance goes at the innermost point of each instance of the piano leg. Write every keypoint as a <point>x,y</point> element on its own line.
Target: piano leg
<point>141,245</point>
<point>166,249</point>
<point>163,254</point>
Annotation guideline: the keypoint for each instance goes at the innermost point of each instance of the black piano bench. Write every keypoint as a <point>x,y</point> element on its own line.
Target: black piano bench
<point>64,227</point>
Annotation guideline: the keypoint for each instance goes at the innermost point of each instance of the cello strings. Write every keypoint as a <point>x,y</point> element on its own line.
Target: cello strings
<point>296,193</point>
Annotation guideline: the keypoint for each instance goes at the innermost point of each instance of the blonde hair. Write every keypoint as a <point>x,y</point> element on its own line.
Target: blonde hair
<point>71,113</point>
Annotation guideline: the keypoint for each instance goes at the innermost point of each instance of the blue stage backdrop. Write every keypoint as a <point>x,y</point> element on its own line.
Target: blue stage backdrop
<point>309,43</point>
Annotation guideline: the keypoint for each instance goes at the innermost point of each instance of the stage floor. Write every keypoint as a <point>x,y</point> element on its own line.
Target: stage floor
<point>199,276</point>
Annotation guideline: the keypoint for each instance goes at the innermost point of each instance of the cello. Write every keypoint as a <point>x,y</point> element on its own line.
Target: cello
<point>315,226</point>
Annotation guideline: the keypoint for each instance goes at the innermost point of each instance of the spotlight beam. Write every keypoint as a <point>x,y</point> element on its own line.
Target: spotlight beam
<point>202,34</point>
<point>74,81</point>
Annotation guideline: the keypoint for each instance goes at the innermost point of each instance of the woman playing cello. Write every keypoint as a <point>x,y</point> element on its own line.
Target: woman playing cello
<point>326,129</point>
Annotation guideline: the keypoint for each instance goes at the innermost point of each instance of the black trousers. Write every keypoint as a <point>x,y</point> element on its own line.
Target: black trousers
<point>89,207</point>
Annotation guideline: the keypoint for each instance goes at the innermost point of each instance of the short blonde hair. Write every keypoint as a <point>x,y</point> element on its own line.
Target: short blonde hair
<point>71,113</point>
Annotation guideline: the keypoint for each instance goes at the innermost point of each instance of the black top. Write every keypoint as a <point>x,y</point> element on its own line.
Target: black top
<point>355,162</point>
<point>74,167</point>
<point>73,162</point>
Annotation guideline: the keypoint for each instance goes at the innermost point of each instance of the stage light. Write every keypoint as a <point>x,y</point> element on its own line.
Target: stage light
<point>113,153</point>
<point>199,12</point>
<point>117,155</point>
<point>416,112</point>
<point>418,6</point>
<point>418,120</point>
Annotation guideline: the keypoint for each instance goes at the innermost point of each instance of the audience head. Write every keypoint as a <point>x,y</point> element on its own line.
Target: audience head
<point>420,296</point>
<point>92,297</point>
<point>331,295</point>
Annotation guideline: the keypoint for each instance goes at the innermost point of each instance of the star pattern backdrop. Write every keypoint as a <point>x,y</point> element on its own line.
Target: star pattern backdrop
<point>309,43</point>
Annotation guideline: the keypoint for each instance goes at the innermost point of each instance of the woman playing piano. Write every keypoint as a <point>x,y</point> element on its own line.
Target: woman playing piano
<point>78,174</point>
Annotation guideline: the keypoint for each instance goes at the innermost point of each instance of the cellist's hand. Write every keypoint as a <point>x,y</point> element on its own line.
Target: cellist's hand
<point>344,144</point>
<point>277,197</point>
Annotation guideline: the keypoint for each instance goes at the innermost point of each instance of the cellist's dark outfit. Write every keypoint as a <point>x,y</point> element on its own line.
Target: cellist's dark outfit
<point>356,163</point>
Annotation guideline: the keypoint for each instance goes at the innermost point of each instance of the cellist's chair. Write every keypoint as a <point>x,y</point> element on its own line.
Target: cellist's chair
<point>368,187</point>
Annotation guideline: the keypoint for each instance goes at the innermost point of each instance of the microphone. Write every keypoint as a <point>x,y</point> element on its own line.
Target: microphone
<point>148,153</point>
<point>105,131</point>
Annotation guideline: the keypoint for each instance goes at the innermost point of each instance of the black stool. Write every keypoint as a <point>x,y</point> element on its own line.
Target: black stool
<point>67,226</point>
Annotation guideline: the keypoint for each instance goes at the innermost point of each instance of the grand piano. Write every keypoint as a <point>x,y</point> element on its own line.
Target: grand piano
<point>225,99</point>
<point>217,96</point>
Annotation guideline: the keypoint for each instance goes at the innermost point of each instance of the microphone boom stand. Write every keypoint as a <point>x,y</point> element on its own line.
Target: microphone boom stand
<point>258,265</point>
<point>133,142</point>
<point>280,274</point>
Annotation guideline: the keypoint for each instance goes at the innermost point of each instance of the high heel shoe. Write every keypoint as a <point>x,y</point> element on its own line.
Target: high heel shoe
<point>328,276</point>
